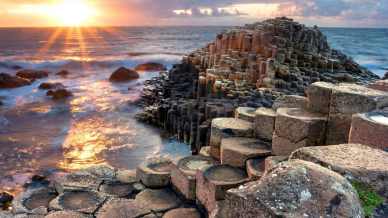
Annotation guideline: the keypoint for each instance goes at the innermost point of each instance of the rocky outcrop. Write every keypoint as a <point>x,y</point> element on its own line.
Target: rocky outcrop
<point>49,86</point>
<point>123,74</point>
<point>60,93</point>
<point>32,74</point>
<point>7,81</point>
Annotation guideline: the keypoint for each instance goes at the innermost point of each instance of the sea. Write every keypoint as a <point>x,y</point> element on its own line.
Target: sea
<point>97,125</point>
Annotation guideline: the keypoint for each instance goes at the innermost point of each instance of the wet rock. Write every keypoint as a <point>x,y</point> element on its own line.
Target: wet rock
<point>32,74</point>
<point>158,200</point>
<point>63,73</point>
<point>183,212</point>
<point>67,214</point>
<point>370,129</point>
<point>33,201</point>
<point>183,175</point>
<point>102,171</point>
<point>49,86</point>
<point>155,172</point>
<point>236,151</point>
<point>5,200</point>
<point>294,189</point>
<point>354,161</point>
<point>150,66</point>
<point>79,201</point>
<point>8,81</point>
<point>215,181</point>
<point>58,94</point>
<point>225,128</point>
<point>123,74</point>
<point>122,208</point>
<point>264,124</point>
<point>295,128</point>
<point>77,181</point>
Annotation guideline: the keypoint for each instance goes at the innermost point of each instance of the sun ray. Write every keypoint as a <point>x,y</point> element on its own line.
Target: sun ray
<point>52,39</point>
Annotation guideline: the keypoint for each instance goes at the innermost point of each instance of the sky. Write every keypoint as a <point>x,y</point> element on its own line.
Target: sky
<point>331,13</point>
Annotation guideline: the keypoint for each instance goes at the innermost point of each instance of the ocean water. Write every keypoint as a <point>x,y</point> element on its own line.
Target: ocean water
<point>97,125</point>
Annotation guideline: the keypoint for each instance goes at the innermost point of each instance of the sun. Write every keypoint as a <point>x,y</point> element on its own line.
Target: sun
<point>74,12</point>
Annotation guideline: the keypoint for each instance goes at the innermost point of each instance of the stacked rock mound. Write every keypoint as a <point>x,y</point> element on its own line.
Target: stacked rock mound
<point>249,66</point>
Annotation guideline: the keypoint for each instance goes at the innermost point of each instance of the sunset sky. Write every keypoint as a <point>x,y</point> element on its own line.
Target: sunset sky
<point>351,13</point>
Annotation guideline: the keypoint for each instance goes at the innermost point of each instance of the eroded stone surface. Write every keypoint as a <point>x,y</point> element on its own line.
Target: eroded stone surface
<point>264,124</point>
<point>236,151</point>
<point>319,97</point>
<point>33,201</point>
<point>183,213</point>
<point>354,161</point>
<point>79,201</point>
<point>158,200</point>
<point>117,189</point>
<point>68,214</point>
<point>290,101</point>
<point>294,189</point>
<point>117,208</point>
<point>155,172</point>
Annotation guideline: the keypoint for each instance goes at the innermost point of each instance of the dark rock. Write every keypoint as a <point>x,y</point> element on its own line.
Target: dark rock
<point>123,74</point>
<point>385,76</point>
<point>150,66</point>
<point>8,81</point>
<point>5,200</point>
<point>49,86</point>
<point>63,73</point>
<point>58,94</point>
<point>32,74</point>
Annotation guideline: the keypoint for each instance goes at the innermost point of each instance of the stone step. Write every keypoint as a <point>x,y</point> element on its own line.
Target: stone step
<point>183,174</point>
<point>215,181</point>
<point>236,151</point>
<point>158,200</point>
<point>155,172</point>
<point>245,113</point>
<point>264,124</point>
<point>226,128</point>
<point>370,129</point>
<point>296,128</point>
<point>355,161</point>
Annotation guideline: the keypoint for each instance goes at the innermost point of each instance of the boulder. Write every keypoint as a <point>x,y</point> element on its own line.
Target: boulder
<point>370,129</point>
<point>122,208</point>
<point>7,81</point>
<point>158,200</point>
<point>123,74</point>
<point>79,201</point>
<point>150,66</point>
<point>183,213</point>
<point>354,161</point>
<point>58,94</point>
<point>63,73</point>
<point>264,124</point>
<point>225,128</point>
<point>67,214</point>
<point>49,86</point>
<point>245,113</point>
<point>346,100</point>
<point>32,74</point>
<point>236,151</point>
<point>5,200</point>
<point>295,128</point>
<point>290,101</point>
<point>183,174</point>
<point>33,201</point>
<point>293,189</point>
<point>155,172</point>
<point>215,181</point>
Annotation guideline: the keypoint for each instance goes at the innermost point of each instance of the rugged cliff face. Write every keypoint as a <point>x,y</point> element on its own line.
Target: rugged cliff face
<point>247,66</point>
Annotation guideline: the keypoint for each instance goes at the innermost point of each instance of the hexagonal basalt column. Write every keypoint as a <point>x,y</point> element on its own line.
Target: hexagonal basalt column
<point>183,213</point>
<point>122,208</point>
<point>183,175</point>
<point>296,128</point>
<point>319,96</point>
<point>236,151</point>
<point>158,200</point>
<point>155,172</point>
<point>370,129</point>
<point>80,201</point>
<point>67,214</point>
<point>264,124</point>
<point>346,100</point>
<point>215,181</point>
<point>34,201</point>
<point>225,128</point>
<point>245,113</point>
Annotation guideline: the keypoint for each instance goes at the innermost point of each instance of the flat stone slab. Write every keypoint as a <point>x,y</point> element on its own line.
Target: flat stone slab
<point>155,172</point>
<point>256,168</point>
<point>236,151</point>
<point>77,181</point>
<point>183,213</point>
<point>290,101</point>
<point>354,161</point>
<point>215,181</point>
<point>245,113</point>
<point>67,214</point>
<point>370,129</point>
<point>158,200</point>
<point>33,201</point>
<point>295,128</point>
<point>117,189</point>
<point>183,175</point>
<point>79,201</point>
<point>122,208</point>
<point>225,128</point>
<point>293,189</point>
<point>264,124</point>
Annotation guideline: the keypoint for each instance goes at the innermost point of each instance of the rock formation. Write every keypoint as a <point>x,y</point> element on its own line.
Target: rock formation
<point>123,74</point>
<point>7,81</point>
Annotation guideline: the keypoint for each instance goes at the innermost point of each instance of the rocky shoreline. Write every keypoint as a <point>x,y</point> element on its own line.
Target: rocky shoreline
<point>280,125</point>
